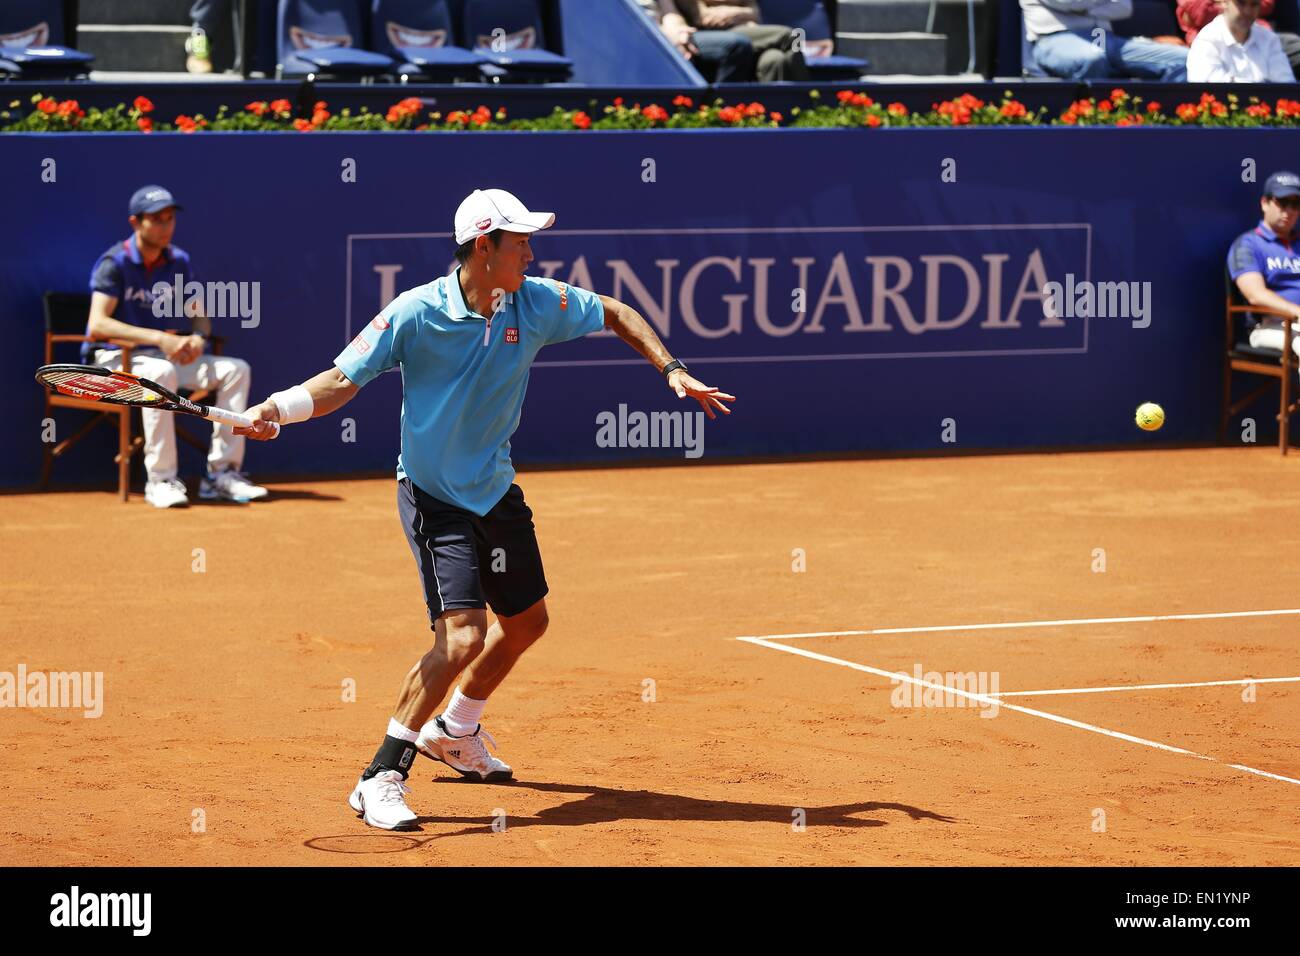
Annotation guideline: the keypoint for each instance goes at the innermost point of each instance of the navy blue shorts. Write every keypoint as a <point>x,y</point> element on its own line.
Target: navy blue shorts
<point>467,561</point>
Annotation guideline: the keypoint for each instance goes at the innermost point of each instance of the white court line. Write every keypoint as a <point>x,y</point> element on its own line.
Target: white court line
<point>1102,690</point>
<point>1014,624</point>
<point>993,701</point>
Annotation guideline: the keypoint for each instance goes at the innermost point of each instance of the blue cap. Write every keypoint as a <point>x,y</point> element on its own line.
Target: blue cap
<point>155,198</point>
<point>1282,184</point>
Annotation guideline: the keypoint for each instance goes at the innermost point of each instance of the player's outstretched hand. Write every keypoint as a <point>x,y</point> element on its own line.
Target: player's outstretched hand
<point>262,415</point>
<point>709,398</point>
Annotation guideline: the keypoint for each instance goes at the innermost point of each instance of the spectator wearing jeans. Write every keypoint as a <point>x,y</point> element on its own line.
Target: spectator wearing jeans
<point>1265,263</point>
<point>776,58</point>
<point>721,56</point>
<point>1195,15</point>
<point>1073,39</point>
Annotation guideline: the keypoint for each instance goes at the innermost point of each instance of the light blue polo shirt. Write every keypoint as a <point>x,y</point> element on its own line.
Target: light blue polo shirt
<point>464,378</point>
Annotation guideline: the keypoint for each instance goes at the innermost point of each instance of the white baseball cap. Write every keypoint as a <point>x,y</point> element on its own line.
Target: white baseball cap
<point>487,209</point>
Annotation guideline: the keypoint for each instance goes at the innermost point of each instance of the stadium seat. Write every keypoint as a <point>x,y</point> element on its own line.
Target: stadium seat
<point>316,37</point>
<point>819,44</point>
<point>416,34</point>
<point>509,34</point>
<point>1272,364</point>
<point>1151,18</point>
<point>31,34</point>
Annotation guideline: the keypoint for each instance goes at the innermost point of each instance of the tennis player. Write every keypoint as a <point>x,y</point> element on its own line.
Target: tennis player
<point>465,343</point>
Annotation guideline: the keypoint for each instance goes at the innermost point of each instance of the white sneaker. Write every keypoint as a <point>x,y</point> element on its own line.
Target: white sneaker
<point>466,755</point>
<point>231,486</point>
<point>381,801</point>
<point>166,493</point>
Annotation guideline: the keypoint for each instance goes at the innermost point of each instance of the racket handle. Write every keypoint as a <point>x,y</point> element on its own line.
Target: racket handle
<point>235,418</point>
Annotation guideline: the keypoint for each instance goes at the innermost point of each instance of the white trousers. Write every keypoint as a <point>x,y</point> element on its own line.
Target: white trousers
<point>229,376</point>
<point>1265,338</point>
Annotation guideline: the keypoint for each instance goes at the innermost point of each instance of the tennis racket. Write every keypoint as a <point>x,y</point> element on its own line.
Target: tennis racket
<point>94,384</point>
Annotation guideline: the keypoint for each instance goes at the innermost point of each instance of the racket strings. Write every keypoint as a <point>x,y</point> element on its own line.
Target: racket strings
<point>101,388</point>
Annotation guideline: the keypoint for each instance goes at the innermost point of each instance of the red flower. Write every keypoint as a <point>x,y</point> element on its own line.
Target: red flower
<point>862,99</point>
<point>143,104</point>
<point>144,124</point>
<point>1070,117</point>
<point>1153,107</point>
<point>1218,109</point>
<point>319,117</point>
<point>422,127</point>
<point>1118,95</point>
<point>845,96</point>
<point>872,120</point>
<point>581,120</point>
<point>301,125</point>
<point>456,116</point>
<point>1012,108</point>
<point>1104,106</point>
<point>257,108</point>
<point>728,114</point>
<point>1186,111</point>
<point>655,113</point>
<point>775,116</point>
<point>70,108</point>
<point>684,101</point>
<point>281,106</point>
<point>618,101</point>
<point>755,109</point>
<point>897,109</point>
<point>47,105</point>
<point>320,105</point>
<point>186,124</point>
<point>1257,109</point>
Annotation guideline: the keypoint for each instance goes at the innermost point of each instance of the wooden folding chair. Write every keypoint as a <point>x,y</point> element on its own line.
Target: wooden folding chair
<point>1240,356</point>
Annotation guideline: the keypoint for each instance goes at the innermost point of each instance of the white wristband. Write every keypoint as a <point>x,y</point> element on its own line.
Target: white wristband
<point>295,405</point>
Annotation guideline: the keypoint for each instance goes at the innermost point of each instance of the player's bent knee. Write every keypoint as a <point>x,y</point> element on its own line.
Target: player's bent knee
<point>527,626</point>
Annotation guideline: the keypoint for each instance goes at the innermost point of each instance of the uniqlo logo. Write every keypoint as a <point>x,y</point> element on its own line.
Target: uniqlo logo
<point>512,336</point>
<point>360,344</point>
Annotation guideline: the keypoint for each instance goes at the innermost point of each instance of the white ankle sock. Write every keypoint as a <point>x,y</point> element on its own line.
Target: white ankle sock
<point>401,733</point>
<point>462,714</point>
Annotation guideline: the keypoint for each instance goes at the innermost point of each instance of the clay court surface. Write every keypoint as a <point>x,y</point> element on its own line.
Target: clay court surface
<point>223,689</point>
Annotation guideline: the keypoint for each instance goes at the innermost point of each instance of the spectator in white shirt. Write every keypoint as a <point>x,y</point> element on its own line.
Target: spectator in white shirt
<point>1233,48</point>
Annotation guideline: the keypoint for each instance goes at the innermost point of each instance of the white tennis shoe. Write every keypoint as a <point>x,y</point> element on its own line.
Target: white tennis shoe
<point>466,755</point>
<point>230,485</point>
<point>166,493</point>
<point>381,801</point>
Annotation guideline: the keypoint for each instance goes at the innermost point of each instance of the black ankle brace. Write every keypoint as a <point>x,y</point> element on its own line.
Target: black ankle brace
<point>393,754</point>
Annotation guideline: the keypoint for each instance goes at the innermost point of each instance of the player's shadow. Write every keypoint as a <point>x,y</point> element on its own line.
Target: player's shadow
<point>608,805</point>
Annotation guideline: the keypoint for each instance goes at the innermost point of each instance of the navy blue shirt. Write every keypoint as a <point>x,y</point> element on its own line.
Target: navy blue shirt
<point>1260,250</point>
<point>121,273</point>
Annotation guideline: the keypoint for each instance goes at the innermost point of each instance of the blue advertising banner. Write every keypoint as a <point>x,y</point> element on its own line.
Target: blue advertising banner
<point>899,290</point>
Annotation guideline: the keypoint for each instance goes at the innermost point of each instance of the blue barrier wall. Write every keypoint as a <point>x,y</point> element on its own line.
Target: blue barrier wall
<point>923,297</point>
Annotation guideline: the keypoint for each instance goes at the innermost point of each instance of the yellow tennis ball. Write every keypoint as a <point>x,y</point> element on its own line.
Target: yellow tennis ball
<point>1150,416</point>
